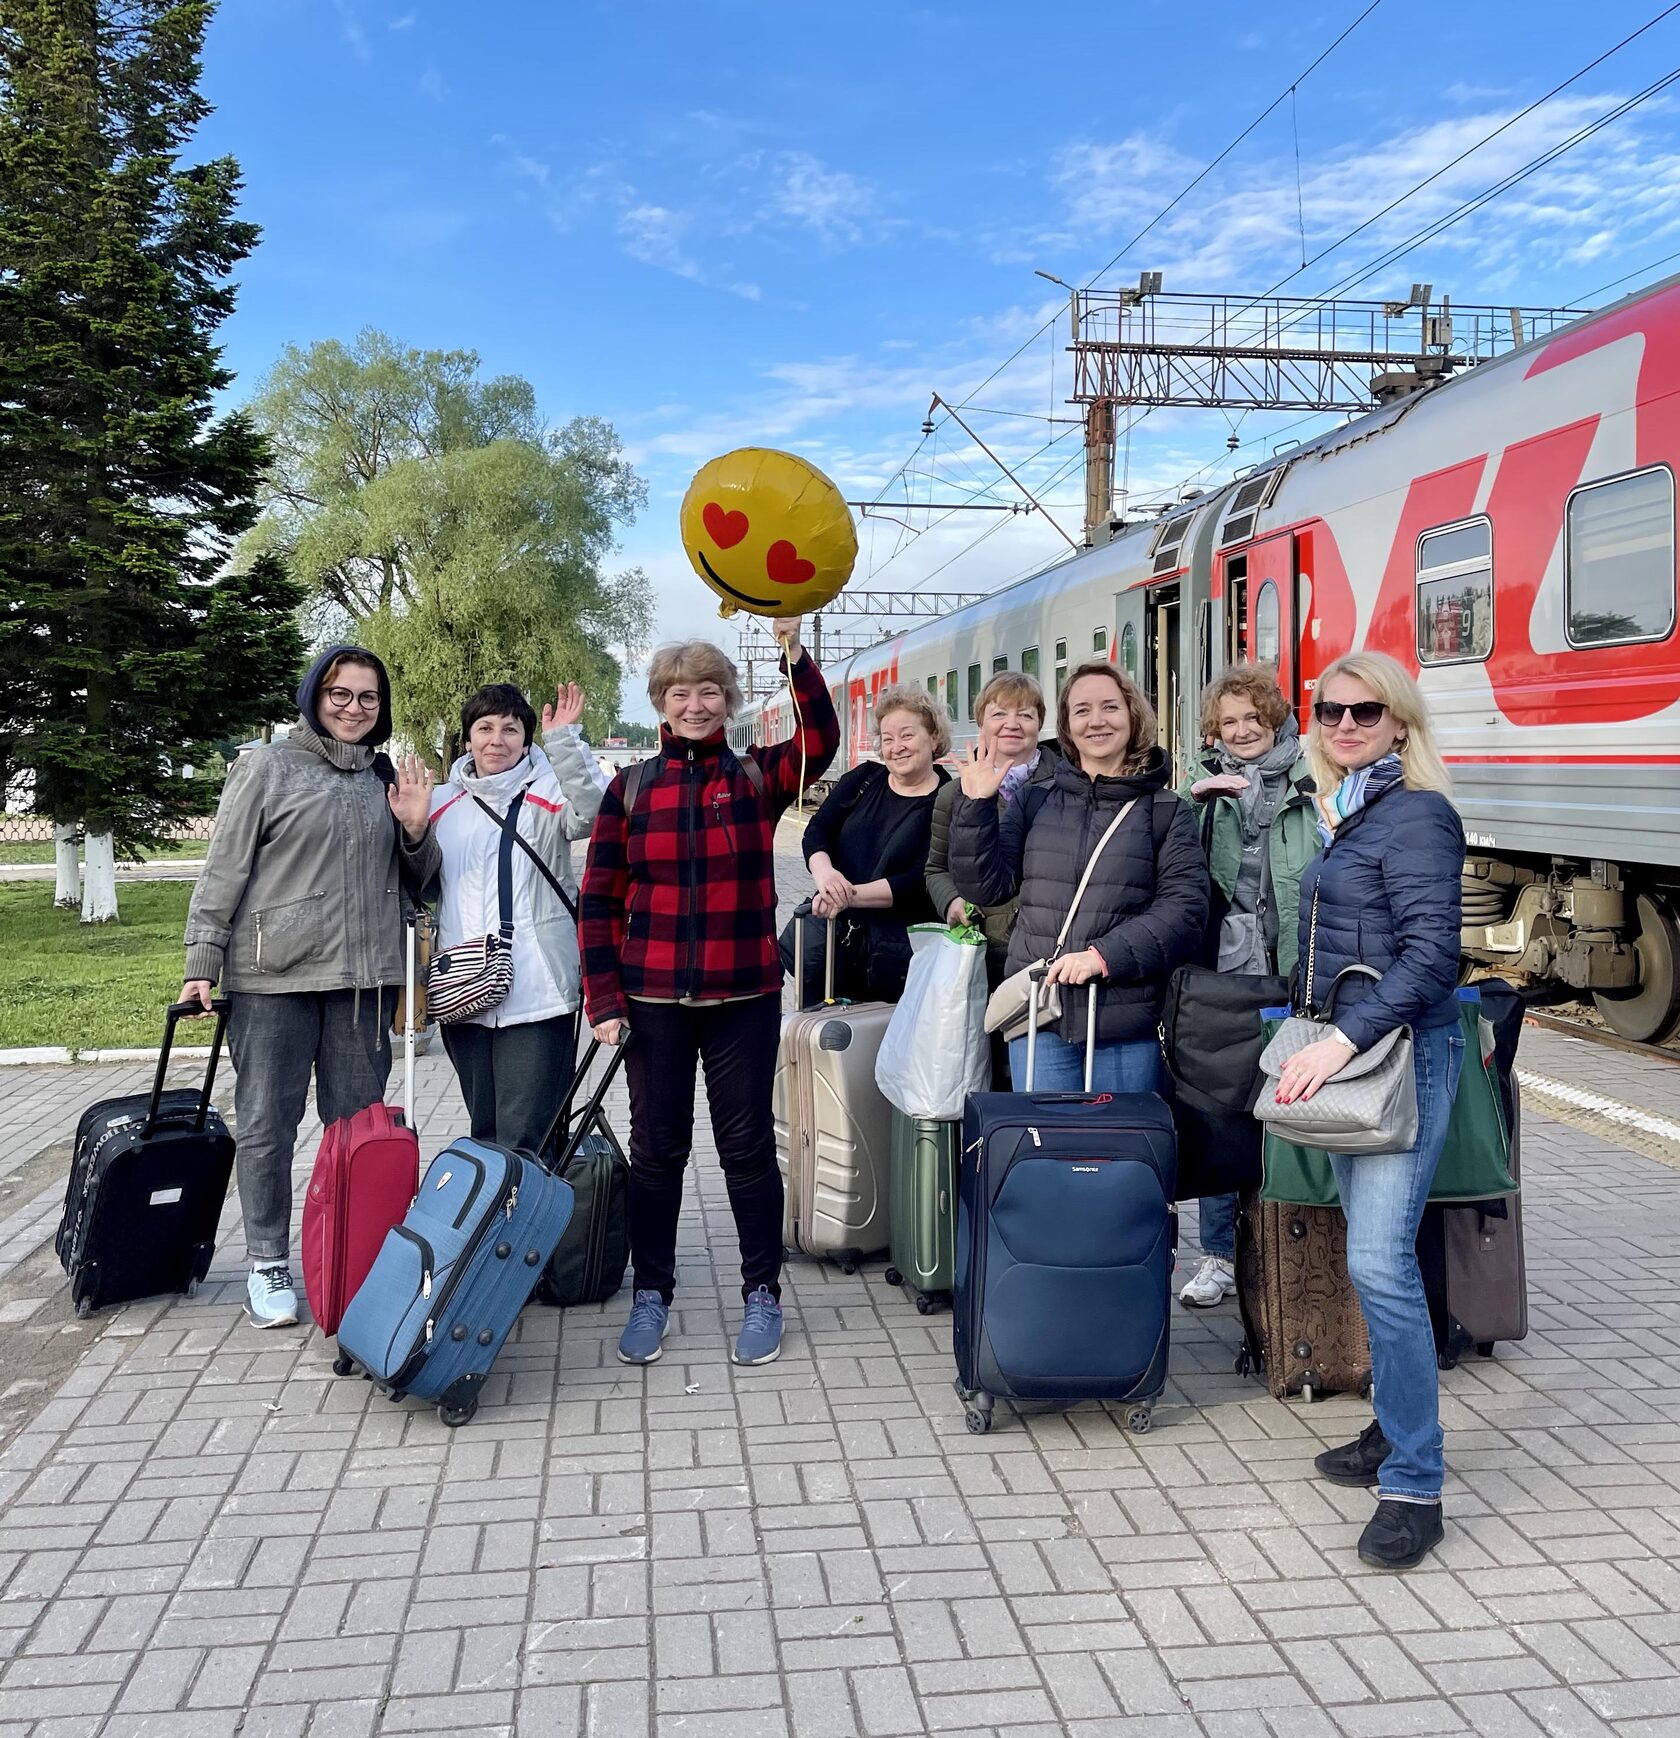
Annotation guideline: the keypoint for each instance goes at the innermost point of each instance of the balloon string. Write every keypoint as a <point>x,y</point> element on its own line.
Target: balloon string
<point>798,722</point>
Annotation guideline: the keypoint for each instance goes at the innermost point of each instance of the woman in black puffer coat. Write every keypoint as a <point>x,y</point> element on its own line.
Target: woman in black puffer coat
<point>1145,907</point>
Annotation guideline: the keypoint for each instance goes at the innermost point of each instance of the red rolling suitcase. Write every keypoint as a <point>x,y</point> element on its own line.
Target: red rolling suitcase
<point>366,1174</point>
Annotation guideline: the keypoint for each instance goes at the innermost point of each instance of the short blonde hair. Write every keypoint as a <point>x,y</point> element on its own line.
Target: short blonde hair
<point>902,697</point>
<point>1255,682</point>
<point>692,661</point>
<point>1010,688</point>
<point>1421,766</point>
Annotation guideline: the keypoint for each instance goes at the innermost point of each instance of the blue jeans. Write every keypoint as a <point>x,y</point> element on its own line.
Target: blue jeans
<point>1383,1196</point>
<point>1126,1065</point>
<point>1218,1221</point>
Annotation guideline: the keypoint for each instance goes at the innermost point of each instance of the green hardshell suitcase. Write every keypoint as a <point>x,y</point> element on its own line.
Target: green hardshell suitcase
<point>924,1204</point>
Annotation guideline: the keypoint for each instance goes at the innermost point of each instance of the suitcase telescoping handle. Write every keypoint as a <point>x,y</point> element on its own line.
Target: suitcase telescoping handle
<point>410,944</point>
<point>1035,981</point>
<point>581,1125</point>
<point>177,1012</point>
<point>799,962</point>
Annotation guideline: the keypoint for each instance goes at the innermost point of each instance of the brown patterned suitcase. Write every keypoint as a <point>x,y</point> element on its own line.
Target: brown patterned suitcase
<point>1303,1329</point>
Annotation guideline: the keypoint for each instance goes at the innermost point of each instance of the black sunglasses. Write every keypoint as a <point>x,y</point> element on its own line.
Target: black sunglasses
<point>1365,712</point>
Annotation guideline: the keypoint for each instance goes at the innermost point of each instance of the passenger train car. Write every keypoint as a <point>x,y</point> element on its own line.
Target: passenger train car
<point>1509,536</point>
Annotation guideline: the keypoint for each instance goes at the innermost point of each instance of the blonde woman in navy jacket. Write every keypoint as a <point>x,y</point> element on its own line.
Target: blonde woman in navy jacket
<point>1386,890</point>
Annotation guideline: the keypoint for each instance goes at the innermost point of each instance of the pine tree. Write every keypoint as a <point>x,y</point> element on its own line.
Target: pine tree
<point>127,641</point>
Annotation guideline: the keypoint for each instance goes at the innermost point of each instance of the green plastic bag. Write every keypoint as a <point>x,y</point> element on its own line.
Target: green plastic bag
<point>1475,1161</point>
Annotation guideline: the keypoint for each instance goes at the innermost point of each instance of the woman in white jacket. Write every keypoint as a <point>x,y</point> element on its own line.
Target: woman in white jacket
<point>515,1060</point>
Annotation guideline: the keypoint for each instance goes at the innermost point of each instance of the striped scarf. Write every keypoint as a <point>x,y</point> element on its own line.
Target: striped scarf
<point>1355,791</point>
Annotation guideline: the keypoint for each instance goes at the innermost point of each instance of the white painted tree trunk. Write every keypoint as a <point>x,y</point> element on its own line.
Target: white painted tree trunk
<point>68,891</point>
<point>99,886</point>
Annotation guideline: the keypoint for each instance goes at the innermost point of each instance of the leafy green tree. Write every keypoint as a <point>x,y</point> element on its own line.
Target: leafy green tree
<point>636,735</point>
<point>434,517</point>
<point>126,641</point>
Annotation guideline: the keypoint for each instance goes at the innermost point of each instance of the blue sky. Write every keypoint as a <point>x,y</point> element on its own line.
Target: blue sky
<point>730,223</point>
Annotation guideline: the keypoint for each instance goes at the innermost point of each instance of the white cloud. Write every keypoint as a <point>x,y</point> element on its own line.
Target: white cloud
<point>654,235</point>
<point>350,24</point>
<point>432,85</point>
<point>834,205</point>
<point>406,22</point>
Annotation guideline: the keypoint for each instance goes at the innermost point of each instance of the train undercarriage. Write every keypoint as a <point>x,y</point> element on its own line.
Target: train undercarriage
<point>1595,929</point>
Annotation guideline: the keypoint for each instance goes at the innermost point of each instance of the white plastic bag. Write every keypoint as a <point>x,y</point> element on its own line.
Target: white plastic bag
<point>935,1052</point>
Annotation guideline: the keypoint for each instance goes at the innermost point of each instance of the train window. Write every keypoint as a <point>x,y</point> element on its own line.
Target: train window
<point>1000,663</point>
<point>1029,662</point>
<point>1618,562</point>
<point>1061,667</point>
<point>1129,650</point>
<point>973,689</point>
<point>1266,638</point>
<point>1455,593</point>
<point>933,686</point>
<point>951,692</point>
<point>1099,641</point>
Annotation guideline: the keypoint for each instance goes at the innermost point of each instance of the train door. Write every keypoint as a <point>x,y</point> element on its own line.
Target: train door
<point>1239,630</point>
<point>1129,633</point>
<point>1270,588</point>
<point>1163,651</point>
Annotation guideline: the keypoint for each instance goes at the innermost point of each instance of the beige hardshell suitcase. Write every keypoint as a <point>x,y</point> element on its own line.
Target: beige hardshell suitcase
<point>833,1127</point>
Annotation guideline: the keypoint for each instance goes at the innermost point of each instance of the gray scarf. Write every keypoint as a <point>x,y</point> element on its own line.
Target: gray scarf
<point>1254,811</point>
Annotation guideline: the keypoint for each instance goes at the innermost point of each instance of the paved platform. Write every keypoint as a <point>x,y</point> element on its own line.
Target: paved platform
<point>205,1533</point>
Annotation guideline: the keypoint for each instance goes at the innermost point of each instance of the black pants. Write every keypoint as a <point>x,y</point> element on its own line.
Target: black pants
<point>513,1078</point>
<point>737,1043</point>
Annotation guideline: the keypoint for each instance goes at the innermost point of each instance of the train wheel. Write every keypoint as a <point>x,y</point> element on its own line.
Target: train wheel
<point>1650,1013</point>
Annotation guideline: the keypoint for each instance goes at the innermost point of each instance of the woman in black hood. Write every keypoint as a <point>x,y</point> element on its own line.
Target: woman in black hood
<point>297,916</point>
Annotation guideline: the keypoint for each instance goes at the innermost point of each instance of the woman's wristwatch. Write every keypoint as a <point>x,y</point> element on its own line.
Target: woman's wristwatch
<point>1342,1038</point>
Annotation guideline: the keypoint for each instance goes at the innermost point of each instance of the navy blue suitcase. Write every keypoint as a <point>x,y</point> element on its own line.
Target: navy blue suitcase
<point>1065,1241</point>
<point>449,1282</point>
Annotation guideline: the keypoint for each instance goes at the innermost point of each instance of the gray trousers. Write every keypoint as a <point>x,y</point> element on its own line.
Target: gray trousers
<point>276,1041</point>
<point>513,1078</point>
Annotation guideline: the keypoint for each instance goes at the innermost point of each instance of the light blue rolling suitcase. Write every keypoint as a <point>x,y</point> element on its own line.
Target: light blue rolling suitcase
<point>449,1282</point>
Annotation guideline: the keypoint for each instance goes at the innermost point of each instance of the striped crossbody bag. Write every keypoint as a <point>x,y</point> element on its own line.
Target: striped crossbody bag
<point>470,976</point>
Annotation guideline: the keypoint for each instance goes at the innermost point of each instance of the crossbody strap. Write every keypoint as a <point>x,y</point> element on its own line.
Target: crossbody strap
<point>1085,879</point>
<point>510,827</point>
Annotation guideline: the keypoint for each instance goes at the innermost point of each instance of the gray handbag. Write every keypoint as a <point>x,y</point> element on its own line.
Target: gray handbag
<point>1370,1106</point>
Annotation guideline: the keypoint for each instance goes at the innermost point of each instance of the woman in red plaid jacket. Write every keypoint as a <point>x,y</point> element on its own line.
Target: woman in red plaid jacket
<point>678,929</point>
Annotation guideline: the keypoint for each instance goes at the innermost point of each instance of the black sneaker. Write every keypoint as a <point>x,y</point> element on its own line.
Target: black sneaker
<point>1355,1463</point>
<point>1400,1535</point>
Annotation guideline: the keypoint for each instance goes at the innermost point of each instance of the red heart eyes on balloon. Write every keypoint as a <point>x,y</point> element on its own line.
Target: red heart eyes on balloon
<point>786,567</point>
<point>724,528</point>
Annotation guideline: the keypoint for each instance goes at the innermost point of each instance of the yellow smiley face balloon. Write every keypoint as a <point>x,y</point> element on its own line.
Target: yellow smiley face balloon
<point>768,533</point>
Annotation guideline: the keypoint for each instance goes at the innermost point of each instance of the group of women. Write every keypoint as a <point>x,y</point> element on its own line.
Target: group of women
<point>1347,848</point>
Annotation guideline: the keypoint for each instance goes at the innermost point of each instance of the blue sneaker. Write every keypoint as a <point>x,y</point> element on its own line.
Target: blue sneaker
<point>643,1339</point>
<point>270,1301</point>
<point>761,1329</point>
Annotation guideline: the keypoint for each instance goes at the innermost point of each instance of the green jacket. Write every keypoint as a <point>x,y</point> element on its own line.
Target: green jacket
<point>1292,843</point>
<point>997,921</point>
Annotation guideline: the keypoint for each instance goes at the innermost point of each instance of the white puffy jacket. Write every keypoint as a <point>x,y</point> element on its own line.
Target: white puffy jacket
<point>562,789</point>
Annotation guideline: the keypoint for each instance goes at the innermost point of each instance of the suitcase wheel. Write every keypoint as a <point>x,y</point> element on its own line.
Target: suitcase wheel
<point>924,1304</point>
<point>1485,1348</point>
<point>84,1308</point>
<point>847,1267</point>
<point>1141,1417</point>
<point>342,1366</point>
<point>894,1277</point>
<point>456,1416</point>
<point>977,1421</point>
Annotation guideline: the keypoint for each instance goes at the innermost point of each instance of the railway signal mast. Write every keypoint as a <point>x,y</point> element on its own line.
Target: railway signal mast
<point>1145,346</point>
<point>755,648</point>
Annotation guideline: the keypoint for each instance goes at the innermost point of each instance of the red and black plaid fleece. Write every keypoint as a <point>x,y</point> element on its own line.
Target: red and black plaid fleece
<point>681,900</point>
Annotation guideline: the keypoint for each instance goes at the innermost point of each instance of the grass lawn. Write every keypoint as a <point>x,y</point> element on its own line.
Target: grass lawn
<point>100,986</point>
<point>41,850</point>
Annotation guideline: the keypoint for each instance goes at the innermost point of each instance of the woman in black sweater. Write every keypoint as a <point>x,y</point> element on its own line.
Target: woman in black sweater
<point>867,848</point>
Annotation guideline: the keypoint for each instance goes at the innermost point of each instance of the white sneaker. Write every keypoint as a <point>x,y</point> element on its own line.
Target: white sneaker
<point>270,1301</point>
<point>1214,1281</point>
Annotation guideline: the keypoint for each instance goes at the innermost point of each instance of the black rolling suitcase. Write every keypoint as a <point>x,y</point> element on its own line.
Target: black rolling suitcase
<point>148,1178</point>
<point>1064,1247</point>
<point>588,1265</point>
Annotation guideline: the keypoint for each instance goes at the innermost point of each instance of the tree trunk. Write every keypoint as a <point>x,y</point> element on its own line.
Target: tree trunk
<point>67,893</point>
<point>99,889</point>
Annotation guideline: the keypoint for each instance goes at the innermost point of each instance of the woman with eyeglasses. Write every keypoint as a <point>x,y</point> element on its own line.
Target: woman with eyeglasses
<point>1384,893</point>
<point>298,916</point>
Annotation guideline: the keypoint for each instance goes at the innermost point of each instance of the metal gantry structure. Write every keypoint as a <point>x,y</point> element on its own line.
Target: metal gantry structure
<point>756,647</point>
<point>1143,346</point>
